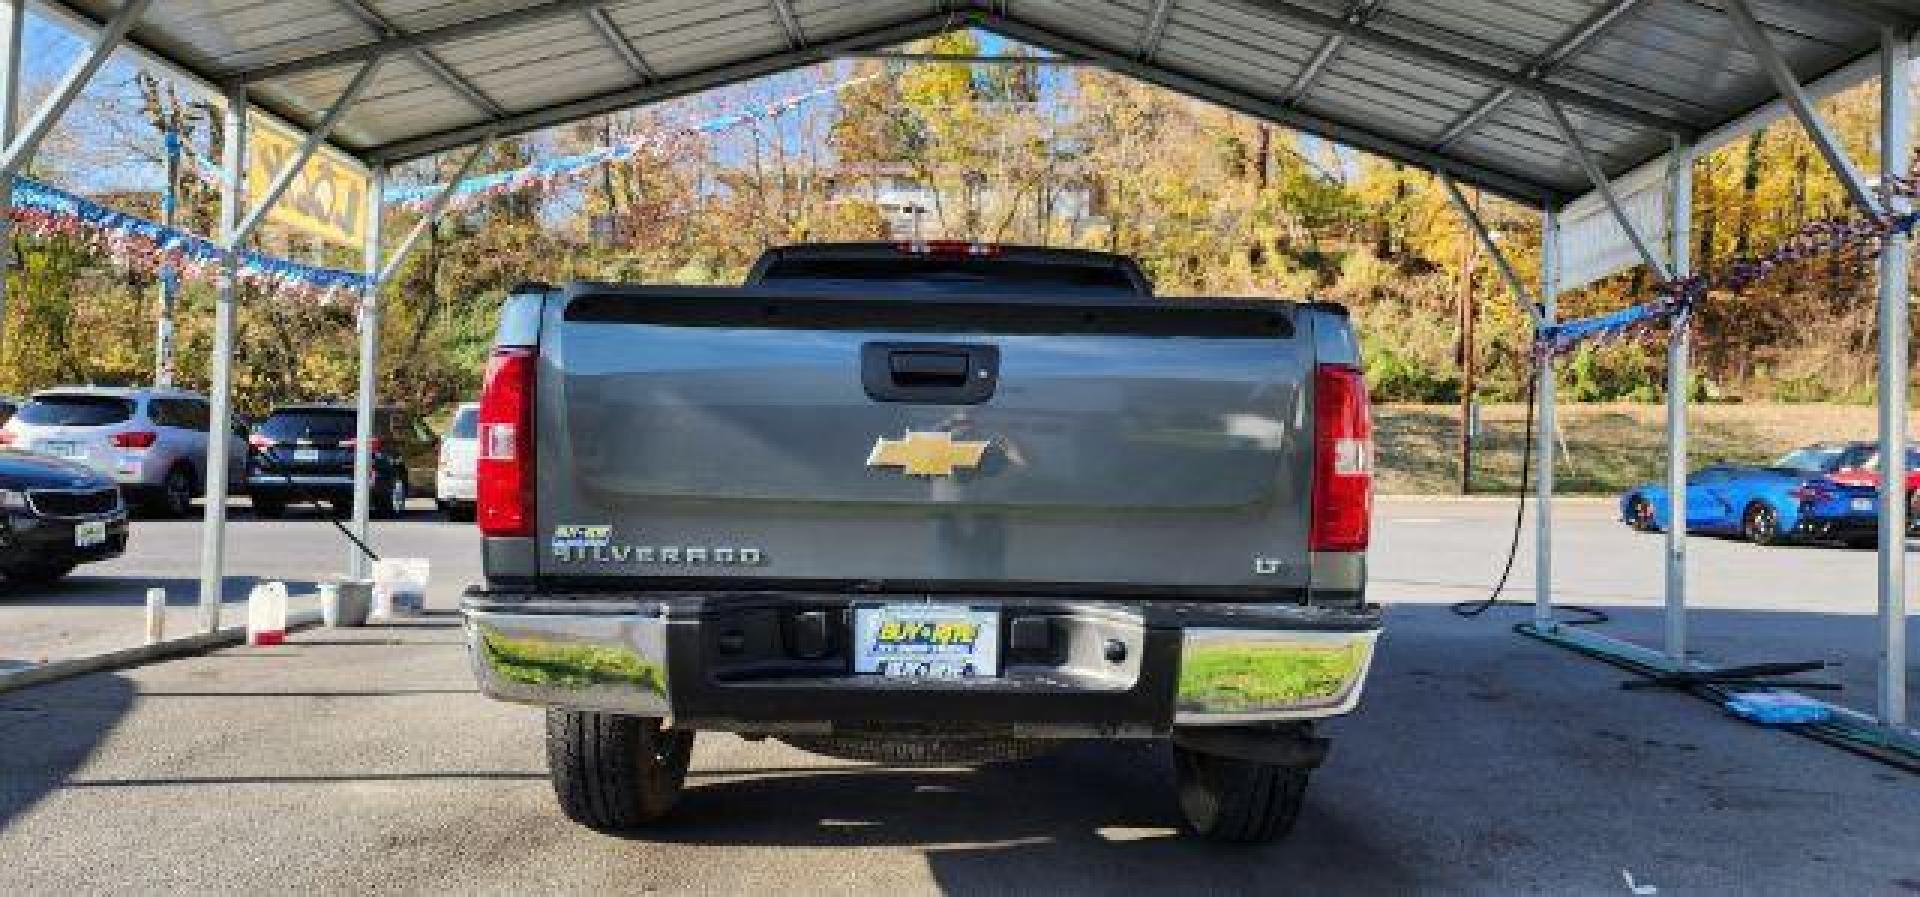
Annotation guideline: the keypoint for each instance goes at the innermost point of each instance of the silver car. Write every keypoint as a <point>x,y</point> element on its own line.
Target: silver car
<point>151,442</point>
<point>458,450</point>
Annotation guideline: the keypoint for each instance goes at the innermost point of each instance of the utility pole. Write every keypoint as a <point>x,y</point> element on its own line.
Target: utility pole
<point>169,279</point>
<point>1470,259</point>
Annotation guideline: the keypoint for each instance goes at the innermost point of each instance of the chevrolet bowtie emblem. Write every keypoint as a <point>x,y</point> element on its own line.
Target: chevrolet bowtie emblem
<point>926,454</point>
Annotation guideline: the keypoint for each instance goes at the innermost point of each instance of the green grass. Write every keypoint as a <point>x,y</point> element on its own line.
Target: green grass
<point>571,666</point>
<point>1607,447</point>
<point>1231,677</point>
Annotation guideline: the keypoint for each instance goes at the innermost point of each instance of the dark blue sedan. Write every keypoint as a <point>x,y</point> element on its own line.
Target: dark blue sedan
<point>1792,499</point>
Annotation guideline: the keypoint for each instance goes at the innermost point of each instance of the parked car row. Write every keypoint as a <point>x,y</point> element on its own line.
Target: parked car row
<point>151,445</point>
<point>1825,492</point>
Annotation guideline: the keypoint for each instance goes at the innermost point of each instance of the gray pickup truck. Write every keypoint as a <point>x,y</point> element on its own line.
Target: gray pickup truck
<point>926,502</point>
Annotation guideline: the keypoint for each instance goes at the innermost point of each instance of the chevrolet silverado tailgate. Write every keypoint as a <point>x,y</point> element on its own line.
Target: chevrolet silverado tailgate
<point>689,434</point>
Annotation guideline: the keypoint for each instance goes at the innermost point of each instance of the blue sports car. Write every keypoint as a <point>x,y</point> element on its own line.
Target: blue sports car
<point>1793,498</point>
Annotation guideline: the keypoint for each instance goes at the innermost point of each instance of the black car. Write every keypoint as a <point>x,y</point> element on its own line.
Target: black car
<point>303,453</point>
<point>54,516</point>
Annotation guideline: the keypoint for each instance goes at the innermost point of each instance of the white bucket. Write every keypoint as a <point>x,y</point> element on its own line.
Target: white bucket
<point>400,586</point>
<point>345,603</point>
<point>267,614</point>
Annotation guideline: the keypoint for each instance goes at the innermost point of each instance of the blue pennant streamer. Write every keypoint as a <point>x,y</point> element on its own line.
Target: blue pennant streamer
<point>188,247</point>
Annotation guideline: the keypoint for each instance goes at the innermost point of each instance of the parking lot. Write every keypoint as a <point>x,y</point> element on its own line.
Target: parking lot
<point>101,607</point>
<point>356,761</point>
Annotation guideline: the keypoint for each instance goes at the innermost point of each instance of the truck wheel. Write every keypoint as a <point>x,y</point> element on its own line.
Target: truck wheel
<point>1238,801</point>
<point>615,773</point>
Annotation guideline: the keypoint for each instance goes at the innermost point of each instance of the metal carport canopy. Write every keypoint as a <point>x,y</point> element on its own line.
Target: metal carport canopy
<point>1450,85</point>
<point>1540,101</point>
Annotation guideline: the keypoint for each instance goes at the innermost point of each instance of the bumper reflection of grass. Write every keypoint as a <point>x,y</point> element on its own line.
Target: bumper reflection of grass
<point>1253,676</point>
<point>570,666</point>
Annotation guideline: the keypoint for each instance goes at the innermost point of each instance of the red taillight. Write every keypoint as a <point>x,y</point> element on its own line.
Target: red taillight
<point>373,443</point>
<point>947,247</point>
<point>1810,492</point>
<point>503,475</point>
<point>6,438</point>
<point>262,442</point>
<point>137,439</point>
<point>1342,460</point>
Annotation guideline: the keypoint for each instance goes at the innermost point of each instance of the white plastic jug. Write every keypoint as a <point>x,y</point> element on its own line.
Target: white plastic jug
<point>400,586</point>
<point>267,614</point>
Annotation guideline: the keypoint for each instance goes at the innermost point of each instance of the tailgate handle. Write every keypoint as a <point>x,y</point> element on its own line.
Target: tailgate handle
<point>920,368</point>
<point>930,373</point>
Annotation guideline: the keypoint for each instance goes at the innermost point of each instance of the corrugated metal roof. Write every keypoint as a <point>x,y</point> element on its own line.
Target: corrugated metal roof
<point>1453,84</point>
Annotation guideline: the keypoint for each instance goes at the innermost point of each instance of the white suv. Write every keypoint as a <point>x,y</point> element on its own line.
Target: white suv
<point>459,448</point>
<point>152,442</point>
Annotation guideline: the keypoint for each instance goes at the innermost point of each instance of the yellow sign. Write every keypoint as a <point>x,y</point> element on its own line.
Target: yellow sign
<point>926,454</point>
<point>328,199</point>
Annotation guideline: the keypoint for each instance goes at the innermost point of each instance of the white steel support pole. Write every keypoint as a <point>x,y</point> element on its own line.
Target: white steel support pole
<point>1679,264</point>
<point>233,200</point>
<point>1543,462</point>
<point>358,566</point>
<point>13,21</point>
<point>1896,147</point>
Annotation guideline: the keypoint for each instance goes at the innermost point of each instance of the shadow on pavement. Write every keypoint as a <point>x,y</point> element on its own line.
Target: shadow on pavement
<point>48,732</point>
<point>1089,818</point>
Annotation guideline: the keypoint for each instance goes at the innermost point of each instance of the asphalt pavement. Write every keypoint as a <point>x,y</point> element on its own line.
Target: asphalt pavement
<point>1481,762</point>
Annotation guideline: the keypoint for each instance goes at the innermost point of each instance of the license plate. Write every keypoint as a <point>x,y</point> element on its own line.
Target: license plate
<point>926,641</point>
<point>1863,504</point>
<point>69,450</point>
<point>301,455</point>
<point>89,534</point>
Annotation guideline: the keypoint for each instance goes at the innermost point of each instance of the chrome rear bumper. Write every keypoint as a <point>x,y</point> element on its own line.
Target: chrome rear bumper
<point>647,658</point>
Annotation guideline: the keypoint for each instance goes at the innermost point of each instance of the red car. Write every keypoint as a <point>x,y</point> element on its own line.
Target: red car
<point>1866,472</point>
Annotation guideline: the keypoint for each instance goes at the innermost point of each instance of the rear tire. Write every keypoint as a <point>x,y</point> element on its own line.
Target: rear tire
<point>1238,801</point>
<point>268,508</point>
<point>1761,524</point>
<point>174,499</point>
<point>615,773</point>
<point>457,512</point>
<point>1640,516</point>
